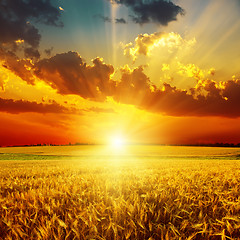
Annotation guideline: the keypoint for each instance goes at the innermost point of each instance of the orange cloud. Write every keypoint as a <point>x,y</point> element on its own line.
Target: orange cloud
<point>207,99</point>
<point>134,86</point>
<point>21,106</point>
<point>69,74</point>
<point>3,79</point>
<point>20,67</point>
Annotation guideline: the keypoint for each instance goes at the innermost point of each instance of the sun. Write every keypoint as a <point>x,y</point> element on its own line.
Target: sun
<point>117,142</point>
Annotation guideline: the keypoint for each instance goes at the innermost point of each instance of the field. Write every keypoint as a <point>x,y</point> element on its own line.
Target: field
<point>143,192</point>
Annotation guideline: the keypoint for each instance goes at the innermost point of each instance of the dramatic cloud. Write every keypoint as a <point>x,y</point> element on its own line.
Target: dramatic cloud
<point>134,86</point>
<point>20,67</point>
<point>207,99</point>
<point>157,11</point>
<point>16,22</point>
<point>146,43</point>
<point>14,30</point>
<point>3,80</point>
<point>70,75</point>
<point>22,106</point>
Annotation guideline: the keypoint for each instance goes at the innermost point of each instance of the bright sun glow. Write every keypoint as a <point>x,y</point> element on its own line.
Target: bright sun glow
<point>117,142</point>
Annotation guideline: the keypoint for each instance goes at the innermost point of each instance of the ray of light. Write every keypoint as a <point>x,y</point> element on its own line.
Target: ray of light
<point>114,8</point>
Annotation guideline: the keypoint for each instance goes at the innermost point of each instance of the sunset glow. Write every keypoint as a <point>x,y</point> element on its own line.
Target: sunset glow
<point>118,142</point>
<point>161,72</point>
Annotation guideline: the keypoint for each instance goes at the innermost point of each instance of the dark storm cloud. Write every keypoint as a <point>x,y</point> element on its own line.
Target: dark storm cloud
<point>16,16</point>
<point>120,20</point>
<point>17,33</point>
<point>22,106</point>
<point>17,20</point>
<point>157,11</point>
<point>18,29</point>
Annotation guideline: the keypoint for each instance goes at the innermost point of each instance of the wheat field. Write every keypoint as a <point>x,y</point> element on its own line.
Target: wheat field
<point>119,196</point>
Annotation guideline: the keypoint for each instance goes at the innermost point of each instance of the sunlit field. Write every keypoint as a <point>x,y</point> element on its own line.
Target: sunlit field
<point>132,192</point>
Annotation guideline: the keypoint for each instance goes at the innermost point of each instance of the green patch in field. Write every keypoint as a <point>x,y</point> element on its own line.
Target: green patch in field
<point>22,156</point>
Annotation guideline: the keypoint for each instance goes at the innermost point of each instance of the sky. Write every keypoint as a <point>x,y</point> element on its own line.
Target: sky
<point>146,71</point>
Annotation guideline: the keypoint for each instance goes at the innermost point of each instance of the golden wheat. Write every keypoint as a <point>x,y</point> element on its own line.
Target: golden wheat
<point>130,198</point>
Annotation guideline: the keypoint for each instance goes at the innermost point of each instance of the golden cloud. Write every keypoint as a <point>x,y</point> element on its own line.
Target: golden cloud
<point>146,43</point>
<point>193,71</point>
<point>3,78</point>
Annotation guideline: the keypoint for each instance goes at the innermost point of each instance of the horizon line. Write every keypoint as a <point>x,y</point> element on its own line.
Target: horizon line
<point>127,144</point>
